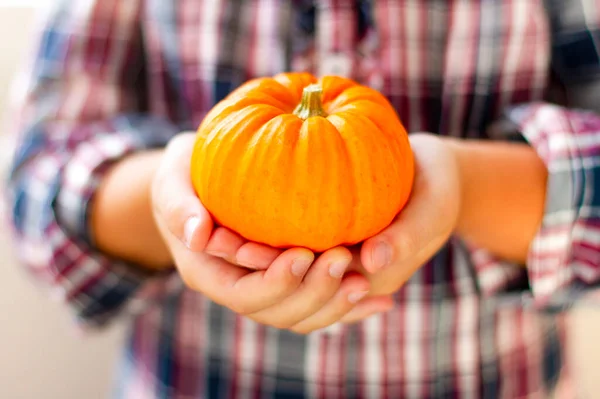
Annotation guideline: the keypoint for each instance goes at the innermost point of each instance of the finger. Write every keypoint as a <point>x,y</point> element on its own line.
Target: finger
<point>262,289</point>
<point>175,202</point>
<point>368,307</point>
<point>242,290</point>
<point>356,264</point>
<point>224,243</point>
<point>352,290</point>
<point>320,284</point>
<point>424,222</point>
<point>256,256</point>
<point>235,249</point>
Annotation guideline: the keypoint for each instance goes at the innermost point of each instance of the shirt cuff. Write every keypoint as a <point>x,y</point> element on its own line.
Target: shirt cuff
<point>90,160</point>
<point>564,258</point>
<point>97,287</point>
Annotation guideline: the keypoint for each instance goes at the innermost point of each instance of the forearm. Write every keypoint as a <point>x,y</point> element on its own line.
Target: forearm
<point>503,196</point>
<point>121,214</point>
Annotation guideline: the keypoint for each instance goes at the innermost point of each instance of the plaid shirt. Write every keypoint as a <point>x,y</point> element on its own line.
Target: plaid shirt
<point>113,77</point>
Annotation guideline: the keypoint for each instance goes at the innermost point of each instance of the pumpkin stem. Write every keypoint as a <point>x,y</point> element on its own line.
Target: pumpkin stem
<point>311,104</point>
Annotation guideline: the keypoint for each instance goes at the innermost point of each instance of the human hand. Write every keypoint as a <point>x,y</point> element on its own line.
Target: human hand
<point>391,257</point>
<point>285,289</point>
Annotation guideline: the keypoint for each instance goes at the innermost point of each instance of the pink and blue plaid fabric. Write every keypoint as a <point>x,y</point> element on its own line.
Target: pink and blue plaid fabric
<point>111,77</point>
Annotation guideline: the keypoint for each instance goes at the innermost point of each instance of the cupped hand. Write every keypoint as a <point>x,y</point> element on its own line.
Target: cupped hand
<point>285,289</point>
<point>422,227</point>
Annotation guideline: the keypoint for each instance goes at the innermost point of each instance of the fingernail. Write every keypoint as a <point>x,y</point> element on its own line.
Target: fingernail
<point>300,266</point>
<point>337,268</point>
<point>355,297</point>
<point>381,256</point>
<point>189,228</point>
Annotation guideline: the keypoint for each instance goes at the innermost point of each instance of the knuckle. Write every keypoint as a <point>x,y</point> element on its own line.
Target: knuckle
<point>156,196</point>
<point>324,295</point>
<point>154,187</point>
<point>286,287</point>
<point>340,308</point>
<point>161,177</point>
<point>222,277</point>
<point>172,216</point>
<point>342,311</point>
<point>156,209</point>
<point>219,233</point>
<point>317,300</point>
<point>405,246</point>
<point>176,144</point>
<point>173,207</point>
<point>161,201</point>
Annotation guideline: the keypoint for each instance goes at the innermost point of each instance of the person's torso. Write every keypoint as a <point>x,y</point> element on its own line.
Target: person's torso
<point>448,67</point>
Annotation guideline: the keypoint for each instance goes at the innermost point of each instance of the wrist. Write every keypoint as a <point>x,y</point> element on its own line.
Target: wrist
<point>502,188</point>
<point>121,213</point>
<point>460,155</point>
<point>456,148</point>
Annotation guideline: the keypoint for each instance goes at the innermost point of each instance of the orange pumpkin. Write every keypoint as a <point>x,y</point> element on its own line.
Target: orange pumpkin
<point>292,161</point>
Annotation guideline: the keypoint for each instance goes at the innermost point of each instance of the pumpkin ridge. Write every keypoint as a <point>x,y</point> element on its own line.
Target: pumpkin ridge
<point>220,122</point>
<point>355,94</point>
<point>248,160</point>
<point>333,86</point>
<point>244,189</point>
<point>354,190</point>
<point>299,170</point>
<point>285,105</point>
<point>256,155</point>
<point>226,107</point>
<point>400,144</point>
<point>323,174</point>
<point>316,143</point>
<point>295,82</point>
<point>370,155</point>
<point>262,86</point>
<point>388,129</point>
<point>229,131</point>
<point>294,171</point>
<point>245,147</point>
<point>211,159</point>
<point>289,106</point>
<point>344,162</point>
<point>205,158</point>
<point>271,135</point>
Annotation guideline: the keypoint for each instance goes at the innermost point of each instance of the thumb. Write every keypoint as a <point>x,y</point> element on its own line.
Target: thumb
<point>429,217</point>
<point>176,205</point>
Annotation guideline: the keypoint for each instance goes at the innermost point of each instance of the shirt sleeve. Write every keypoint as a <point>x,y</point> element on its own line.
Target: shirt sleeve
<point>81,108</point>
<point>563,264</point>
<point>564,257</point>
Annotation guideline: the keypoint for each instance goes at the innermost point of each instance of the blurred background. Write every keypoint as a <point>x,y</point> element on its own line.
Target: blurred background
<point>40,354</point>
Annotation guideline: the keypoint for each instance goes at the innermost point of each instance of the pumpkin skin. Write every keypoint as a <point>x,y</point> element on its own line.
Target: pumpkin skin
<point>335,176</point>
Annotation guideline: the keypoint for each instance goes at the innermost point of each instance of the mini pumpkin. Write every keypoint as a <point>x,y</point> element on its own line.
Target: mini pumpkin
<point>292,161</point>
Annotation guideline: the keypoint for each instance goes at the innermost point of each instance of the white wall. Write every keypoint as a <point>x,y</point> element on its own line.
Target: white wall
<point>23,3</point>
<point>40,357</point>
